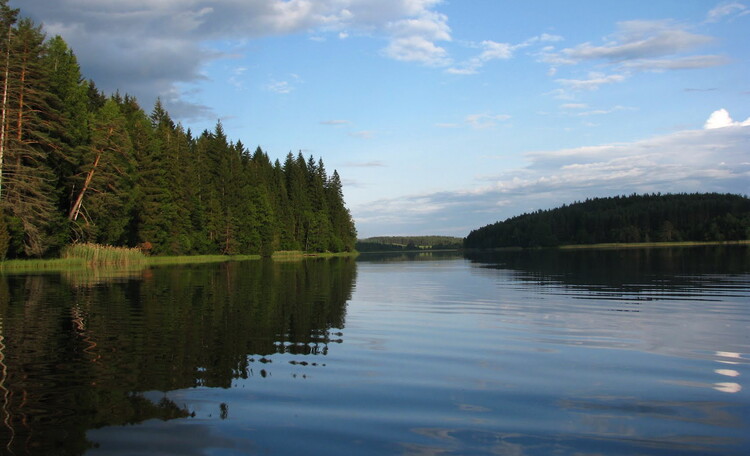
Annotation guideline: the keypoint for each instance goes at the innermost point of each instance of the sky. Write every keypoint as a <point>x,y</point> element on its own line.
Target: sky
<point>443,116</point>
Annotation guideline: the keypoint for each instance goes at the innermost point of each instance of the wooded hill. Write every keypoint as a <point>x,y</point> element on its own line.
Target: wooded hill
<point>624,219</point>
<point>401,243</point>
<point>79,166</point>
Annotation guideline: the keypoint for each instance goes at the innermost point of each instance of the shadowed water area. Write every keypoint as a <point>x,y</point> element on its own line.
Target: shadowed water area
<point>611,352</point>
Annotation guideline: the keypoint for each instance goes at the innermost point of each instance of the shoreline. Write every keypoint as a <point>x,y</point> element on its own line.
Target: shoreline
<point>622,245</point>
<point>616,245</point>
<point>72,264</point>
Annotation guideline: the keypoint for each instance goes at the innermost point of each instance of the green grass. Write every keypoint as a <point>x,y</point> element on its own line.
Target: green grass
<point>57,264</point>
<point>195,259</point>
<point>79,257</point>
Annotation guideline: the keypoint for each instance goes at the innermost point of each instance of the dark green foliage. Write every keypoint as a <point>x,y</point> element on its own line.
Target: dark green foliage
<point>399,243</point>
<point>624,219</point>
<point>76,165</point>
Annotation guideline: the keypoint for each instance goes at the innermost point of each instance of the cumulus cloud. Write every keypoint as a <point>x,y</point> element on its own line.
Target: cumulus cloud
<point>414,39</point>
<point>708,159</point>
<point>721,119</point>
<point>154,48</point>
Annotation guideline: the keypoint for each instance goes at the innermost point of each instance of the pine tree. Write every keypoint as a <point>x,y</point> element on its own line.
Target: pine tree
<point>30,125</point>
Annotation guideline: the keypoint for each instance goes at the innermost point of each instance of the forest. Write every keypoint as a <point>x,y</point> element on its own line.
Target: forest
<point>408,243</point>
<point>623,219</point>
<point>77,165</point>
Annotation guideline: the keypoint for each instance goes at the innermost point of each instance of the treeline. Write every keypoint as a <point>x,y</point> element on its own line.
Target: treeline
<point>403,243</point>
<point>79,166</point>
<point>624,219</point>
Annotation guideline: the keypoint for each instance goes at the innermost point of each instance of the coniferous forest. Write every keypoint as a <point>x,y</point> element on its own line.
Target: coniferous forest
<point>77,165</point>
<point>624,219</point>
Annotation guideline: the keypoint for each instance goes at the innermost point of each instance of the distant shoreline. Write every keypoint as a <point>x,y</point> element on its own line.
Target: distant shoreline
<point>619,245</point>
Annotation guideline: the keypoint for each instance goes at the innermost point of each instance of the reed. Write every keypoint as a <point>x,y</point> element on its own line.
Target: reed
<point>102,255</point>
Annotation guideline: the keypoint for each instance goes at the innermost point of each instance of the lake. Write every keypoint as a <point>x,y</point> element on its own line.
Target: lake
<point>548,352</point>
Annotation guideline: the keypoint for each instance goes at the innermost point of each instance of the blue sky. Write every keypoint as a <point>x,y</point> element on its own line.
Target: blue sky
<point>444,116</point>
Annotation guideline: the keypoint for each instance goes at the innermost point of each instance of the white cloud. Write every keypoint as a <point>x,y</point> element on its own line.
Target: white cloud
<point>643,46</point>
<point>417,49</point>
<point>574,106</point>
<point>282,87</point>
<point>593,82</point>
<point>599,112</point>
<point>482,121</point>
<point>640,39</point>
<point>724,10</point>
<point>721,119</point>
<point>413,39</point>
<point>679,63</point>
<point>492,50</point>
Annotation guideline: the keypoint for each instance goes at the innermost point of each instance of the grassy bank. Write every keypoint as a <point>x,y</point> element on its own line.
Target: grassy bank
<point>299,254</point>
<point>197,259</point>
<point>92,256</point>
<point>57,264</point>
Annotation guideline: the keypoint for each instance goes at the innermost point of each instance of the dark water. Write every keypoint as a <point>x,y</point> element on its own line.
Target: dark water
<point>611,352</point>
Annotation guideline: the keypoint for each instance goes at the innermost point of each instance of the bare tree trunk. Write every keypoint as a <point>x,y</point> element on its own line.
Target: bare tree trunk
<point>4,108</point>
<point>21,92</point>
<point>79,201</point>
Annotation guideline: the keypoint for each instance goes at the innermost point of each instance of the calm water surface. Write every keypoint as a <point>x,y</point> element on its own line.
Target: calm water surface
<point>609,352</point>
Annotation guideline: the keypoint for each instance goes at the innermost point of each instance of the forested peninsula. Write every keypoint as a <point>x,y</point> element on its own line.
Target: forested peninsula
<point>696,217</point>
<point>79,166</point>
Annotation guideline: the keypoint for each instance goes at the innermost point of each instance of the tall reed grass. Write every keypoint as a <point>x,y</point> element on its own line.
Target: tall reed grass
<point>101,255</point>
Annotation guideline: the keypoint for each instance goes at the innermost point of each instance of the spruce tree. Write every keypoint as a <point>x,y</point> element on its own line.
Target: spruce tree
<point>103,186</point>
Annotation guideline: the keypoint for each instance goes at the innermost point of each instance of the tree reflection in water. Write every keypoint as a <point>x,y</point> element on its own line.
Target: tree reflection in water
<point>77,352</point>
